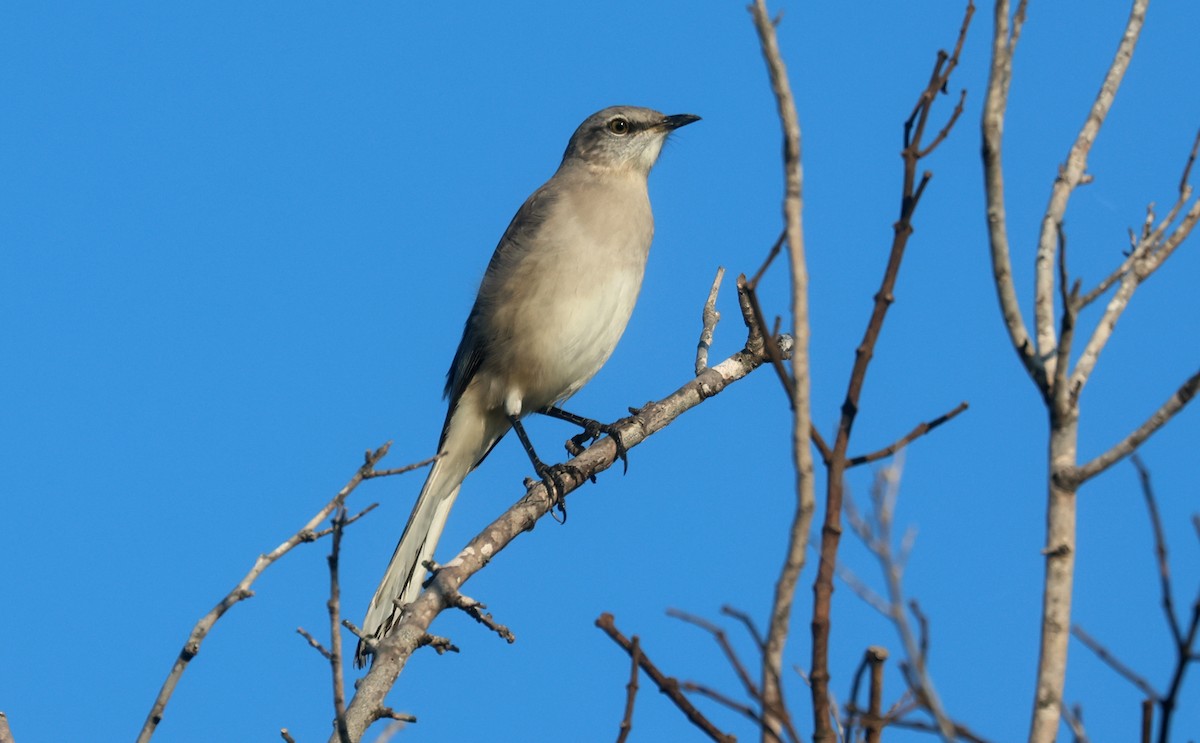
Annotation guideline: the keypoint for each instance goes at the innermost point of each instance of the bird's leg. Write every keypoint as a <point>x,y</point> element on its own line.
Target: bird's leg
<point>591,431</point>
<point>548,474</point>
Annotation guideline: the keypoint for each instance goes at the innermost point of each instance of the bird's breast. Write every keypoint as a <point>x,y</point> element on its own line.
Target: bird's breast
<point>568,298</point>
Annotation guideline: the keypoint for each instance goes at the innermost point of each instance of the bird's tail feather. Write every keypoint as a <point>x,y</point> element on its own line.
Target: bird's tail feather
<point>468,437</point>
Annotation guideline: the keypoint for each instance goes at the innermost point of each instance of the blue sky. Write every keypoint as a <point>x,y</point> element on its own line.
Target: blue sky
<point>238,245</point>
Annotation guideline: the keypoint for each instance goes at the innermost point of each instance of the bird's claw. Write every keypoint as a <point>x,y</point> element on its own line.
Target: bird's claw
<point>592,431</point>
<point>555,487</point>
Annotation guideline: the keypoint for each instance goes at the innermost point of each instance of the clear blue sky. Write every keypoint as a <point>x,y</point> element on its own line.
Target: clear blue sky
<point>238,245</point>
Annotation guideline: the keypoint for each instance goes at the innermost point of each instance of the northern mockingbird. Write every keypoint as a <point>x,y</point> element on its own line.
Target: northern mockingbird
<point>552,305</point>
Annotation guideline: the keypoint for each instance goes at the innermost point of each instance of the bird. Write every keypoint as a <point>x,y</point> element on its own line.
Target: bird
<point>552,305</point>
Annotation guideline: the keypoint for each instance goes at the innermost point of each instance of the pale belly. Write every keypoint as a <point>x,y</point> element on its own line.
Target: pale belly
<point>558,333</point>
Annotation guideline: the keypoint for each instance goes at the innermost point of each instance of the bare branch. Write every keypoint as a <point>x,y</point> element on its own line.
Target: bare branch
<point>863,591</point>
<point>876,656</point>
<point>1004,44</point>
<point>335,643</point>
<point>875,531</point>
<point>329,529</point>
<point>1160,548</point>
<point>710,319</point>
<point>313,642</point>
<point>1071,174</point>
<point>745,619</point>
<point>631,688</point>
<point>725,701</point>
<point>1074,720</point>
<point>961,732</point>
<point>1147,719</point>
<point>1185,655</point>
<point>392,653</point>
<point>771,255</point>
<point>1063,398</point>
<point>873,720</point>
<point>1148,255</point>
<point>242,591</point>
<point>666,684</point>
<point>1183,639</point>
<point>371,475</point>
<point>723,641</point>
<point>907,439</point>
<point>1103,654</point>
<point>761,331</point>
<point>902,229</point>
<point>789,574</point>
<point>474,609</point>
<point>1127,445</point>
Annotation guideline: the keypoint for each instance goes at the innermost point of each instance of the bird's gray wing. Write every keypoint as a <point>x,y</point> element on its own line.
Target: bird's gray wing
<point>473,348</point>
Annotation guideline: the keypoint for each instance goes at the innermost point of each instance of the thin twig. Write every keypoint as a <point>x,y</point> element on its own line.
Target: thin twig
<point>474,609</point>
<point>746,621</point>
<point>1111,660</point>
<point>313,642</point>
<point>1182,639</point>
<point>372,474</point>
<point>771,255</point>
<point>853,711</point>
<point>917,432</point>
<point>1072,174</point>
<point>910,196</point>
<point>1148,255</point>
<point>863,591</point>
<point>329,529</point>
<point>1073,716</point>
<point>762,330</point>
<point>741,708</point>
<point>1126,446</point>
<point>875,531</point>
<point>441,645</point>
<point>722,640</point>
<point>335,643</point>
<point>242,591</point>
<point>1160,548</point>
<point>960,731</point>
<point>631,689</point>
<point>710,318</point>
<point>666,684</point>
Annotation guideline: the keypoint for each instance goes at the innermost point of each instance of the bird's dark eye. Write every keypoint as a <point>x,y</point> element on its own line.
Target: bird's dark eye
<point>618,126</point>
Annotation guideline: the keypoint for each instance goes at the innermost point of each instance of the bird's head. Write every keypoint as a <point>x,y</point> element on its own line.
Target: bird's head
<point>624,137</point>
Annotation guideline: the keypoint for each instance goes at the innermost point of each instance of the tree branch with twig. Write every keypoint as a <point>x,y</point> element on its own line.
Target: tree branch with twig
<point>1183,634</point>
<point>412,631</point>
<point>307,533</point>
<point>1046,357</point>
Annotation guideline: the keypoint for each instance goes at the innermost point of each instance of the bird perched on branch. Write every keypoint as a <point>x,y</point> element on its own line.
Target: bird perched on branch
<point>553,303</point>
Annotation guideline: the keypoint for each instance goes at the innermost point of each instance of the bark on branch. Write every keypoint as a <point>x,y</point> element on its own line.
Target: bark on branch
<point>392,653</point>
<point>774,711</point>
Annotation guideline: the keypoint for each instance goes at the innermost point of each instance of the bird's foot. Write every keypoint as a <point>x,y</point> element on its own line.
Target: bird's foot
<point>555,479</point>
<point>592,430</point>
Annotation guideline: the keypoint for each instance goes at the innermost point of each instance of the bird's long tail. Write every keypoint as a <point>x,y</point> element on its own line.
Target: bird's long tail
<point>469,435</point>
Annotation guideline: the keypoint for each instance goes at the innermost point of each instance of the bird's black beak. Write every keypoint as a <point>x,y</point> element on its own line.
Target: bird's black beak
<point>678,120</point>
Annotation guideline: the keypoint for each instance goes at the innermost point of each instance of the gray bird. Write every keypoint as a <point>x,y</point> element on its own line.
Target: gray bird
<point>553,303</point>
